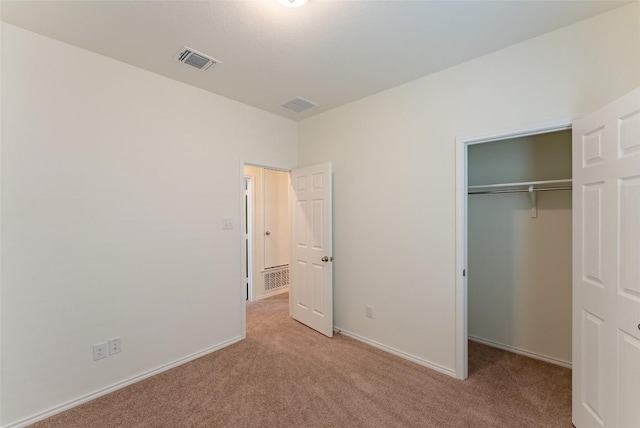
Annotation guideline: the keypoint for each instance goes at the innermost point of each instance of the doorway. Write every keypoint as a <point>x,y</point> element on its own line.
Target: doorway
<point>289,217</point>
<point>517,197</point>
<point>267,228</point>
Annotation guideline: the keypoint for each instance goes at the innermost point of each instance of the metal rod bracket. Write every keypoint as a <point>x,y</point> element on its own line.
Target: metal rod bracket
<point>533,196</point>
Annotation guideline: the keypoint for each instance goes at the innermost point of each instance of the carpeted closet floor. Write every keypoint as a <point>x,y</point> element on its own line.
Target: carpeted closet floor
<point>287,375</point>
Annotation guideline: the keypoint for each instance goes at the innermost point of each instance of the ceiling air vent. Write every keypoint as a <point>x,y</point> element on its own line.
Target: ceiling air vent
<point>196,59</point>
<point>298,104</point>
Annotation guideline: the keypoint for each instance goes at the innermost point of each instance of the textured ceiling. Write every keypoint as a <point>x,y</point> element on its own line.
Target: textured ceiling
<point>329,52</point>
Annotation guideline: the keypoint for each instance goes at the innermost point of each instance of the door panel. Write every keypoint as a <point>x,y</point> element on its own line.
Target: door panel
<point>630,248</point>
<point>628,392</point>
<point>592,233</point>
<point>606,266</point>
<point>312,283</point>
<point>299,294</point>
<point>629,130</point>
<point>592,364</point>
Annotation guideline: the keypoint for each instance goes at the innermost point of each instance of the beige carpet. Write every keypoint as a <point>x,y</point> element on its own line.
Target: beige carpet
<point>271,380</point>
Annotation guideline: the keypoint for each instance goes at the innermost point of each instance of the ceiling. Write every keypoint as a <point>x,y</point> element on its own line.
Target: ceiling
<point>328,52</point>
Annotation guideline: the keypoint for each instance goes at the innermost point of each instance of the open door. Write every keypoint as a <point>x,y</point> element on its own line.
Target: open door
<point>312,279</point>
<point>606,266</point>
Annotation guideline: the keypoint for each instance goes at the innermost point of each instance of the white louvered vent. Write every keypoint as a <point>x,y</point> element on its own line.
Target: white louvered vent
<point>196,59</point>
<point>298,104</point>
<point>277,278</point>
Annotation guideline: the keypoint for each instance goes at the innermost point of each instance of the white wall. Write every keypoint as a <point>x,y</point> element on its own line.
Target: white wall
<point>393,156</point>
<point>114,184</point>
<point>519,267</point>
<point>535,157</point>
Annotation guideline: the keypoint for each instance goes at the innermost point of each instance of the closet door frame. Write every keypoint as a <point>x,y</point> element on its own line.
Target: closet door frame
<point>462,145</point>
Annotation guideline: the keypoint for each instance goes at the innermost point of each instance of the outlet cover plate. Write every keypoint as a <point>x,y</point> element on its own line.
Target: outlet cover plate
<point>114,346</point>
<point>99,351</point>
<point>368,311</point>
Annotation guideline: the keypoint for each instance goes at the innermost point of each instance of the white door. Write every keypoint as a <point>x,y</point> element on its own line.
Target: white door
<point>277,239</point>
<point>311,281</point>
<point>606,266</point>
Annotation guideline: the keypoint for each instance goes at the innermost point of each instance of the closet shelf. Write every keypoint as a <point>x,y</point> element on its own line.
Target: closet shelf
<point>525,186</point>
<point>530,187</point>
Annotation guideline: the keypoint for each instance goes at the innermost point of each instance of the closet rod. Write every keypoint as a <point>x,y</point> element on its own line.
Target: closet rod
<point>540,189</point>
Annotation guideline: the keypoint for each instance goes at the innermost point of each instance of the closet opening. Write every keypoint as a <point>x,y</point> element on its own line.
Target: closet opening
<point>515,247</point>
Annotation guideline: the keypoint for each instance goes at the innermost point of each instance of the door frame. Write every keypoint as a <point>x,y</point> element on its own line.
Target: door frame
<point>461,147</point>
<point>248,217</point>
<point>243,256</point>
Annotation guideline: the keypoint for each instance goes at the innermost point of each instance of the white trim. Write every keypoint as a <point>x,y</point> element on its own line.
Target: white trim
<point>243,258</point>
<point>103,391</point>
<point>277,291</point>
<point>290,196</point>
<point>275,268</point>
<point>248,207</point>
<point>265,166</point>
<point>525,131</point>
<point>461,351</point>
<point>534,355</point>
<point>397,352</point>
<point>462,143</point>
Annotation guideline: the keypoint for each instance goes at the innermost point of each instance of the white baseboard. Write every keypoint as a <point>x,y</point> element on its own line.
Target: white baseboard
<point>272,293</point>
<point>93,395</point>
<point>524,352</point>
<point>398,353</point>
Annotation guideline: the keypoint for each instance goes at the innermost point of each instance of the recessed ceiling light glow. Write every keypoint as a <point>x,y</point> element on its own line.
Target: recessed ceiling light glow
<point>292,3</point>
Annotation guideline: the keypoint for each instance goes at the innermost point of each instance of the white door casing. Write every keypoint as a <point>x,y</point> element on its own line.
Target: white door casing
<point>606,266</point>
<point>462,145</point>
<point>311,268</point>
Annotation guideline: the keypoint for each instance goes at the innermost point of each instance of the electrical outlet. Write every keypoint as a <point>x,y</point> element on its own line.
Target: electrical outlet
<point>99,351</point>
<point>368,311</point>
<point>114,346</point>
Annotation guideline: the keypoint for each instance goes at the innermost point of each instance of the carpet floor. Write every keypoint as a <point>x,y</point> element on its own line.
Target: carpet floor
<point>287,375</point>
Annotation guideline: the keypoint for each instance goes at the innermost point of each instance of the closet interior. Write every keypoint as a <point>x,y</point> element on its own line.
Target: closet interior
<point>519,245</point>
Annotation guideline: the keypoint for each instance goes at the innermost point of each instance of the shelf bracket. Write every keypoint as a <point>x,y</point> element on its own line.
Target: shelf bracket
<point>533,197</point>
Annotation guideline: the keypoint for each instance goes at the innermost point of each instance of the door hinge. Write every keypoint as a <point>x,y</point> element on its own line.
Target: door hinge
<point>464,272</point>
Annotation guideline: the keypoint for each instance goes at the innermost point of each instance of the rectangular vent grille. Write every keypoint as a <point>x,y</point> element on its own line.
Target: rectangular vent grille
<point>298,105</point>
<point>196,59</point>
<point>275,279</point>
